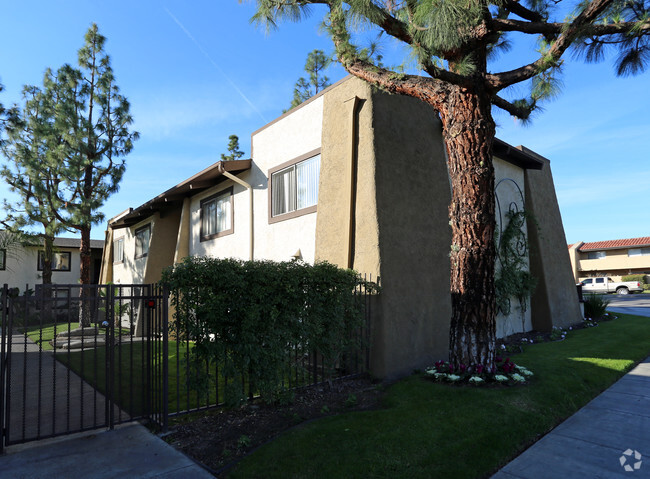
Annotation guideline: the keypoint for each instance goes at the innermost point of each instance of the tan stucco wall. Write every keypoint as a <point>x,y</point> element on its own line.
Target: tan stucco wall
<point>183,235</point>
<point>162,245</point>
<point>555,300</point>
<point>401,227</point>
<point>616,261</point>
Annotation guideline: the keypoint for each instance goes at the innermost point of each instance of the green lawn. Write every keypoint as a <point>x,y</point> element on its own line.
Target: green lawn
<point>430,430</point>
<point>130,375</point>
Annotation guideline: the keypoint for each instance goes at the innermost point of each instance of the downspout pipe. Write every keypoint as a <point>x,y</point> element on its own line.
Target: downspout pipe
<point>223,171</point>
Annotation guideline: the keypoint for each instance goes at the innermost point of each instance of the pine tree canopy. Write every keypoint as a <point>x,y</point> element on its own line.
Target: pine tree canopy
<point>305,88</point>
<point>233,149</point>
<point>454,42</point>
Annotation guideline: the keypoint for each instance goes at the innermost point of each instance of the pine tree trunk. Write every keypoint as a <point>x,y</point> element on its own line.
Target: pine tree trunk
<point>468,129</point>
<point>84,252</point>
<point>47,260</point>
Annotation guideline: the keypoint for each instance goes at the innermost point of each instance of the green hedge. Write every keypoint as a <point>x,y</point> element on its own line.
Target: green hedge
<point>634,277</point>
<point>255,318</point>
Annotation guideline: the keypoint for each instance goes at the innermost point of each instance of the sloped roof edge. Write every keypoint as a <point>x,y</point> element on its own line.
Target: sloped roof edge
<point>616,244</point>
<point>205,178</point>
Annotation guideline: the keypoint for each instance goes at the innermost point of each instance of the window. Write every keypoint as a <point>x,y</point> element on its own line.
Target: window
<point>600,280</point>
<point>596,255</point>
<point>142,236</point>
<point>60,261</point>
<point>216,215</point>
<point>638,252</point>
<point>587,281</point>
<point>3,259</point>
<point>294,187</point>
<point>118,250</point>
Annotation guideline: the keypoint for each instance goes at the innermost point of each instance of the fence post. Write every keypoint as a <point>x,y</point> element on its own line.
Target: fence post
<point>3,333</point>
<point>165,357</point>
<point>110,339</point>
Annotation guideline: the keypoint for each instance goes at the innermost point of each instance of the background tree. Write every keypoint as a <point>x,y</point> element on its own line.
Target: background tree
<point>31,173</point>
<point>93,119</point>
<point>453,45</point>
<point>305,88</point>
<point>233,149</point>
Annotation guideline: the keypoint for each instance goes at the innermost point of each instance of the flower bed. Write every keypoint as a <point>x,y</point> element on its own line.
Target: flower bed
<point>503,372</point>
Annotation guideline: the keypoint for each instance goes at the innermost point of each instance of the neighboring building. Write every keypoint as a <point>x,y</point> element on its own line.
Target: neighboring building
<point>359,178</point>
<point>21,267</point>
<point>615,258</point>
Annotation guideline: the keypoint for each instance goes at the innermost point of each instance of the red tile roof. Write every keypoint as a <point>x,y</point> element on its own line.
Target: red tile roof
<point>613,244</point>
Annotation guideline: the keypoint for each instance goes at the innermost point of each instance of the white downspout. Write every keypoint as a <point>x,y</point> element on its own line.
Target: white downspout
<point>250,190</point>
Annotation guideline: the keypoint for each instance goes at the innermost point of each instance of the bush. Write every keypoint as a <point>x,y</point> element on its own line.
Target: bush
<point>595,306</point>
<point>257,319</point>
<point>640,278</point>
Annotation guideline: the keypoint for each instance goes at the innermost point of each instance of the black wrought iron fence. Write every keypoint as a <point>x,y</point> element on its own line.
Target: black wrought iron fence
<point>75,358</point>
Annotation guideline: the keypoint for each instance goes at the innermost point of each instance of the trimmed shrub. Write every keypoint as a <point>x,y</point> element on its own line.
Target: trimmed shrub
<point>257,319</point>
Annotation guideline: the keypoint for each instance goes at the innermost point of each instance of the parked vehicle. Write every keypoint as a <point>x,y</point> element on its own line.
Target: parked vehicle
<point>605,284</point>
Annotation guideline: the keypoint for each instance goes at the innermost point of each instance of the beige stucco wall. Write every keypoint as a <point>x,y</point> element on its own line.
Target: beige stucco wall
<point>289,137</point>
<point>131,270</point>
<point>21,268</point>
<point>510,195</point>
<point>555,300</point>
<point>616,260</point>
<point>401,228</point>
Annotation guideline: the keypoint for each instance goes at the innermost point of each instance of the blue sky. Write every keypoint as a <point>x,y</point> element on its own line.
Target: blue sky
<point>197,72</point>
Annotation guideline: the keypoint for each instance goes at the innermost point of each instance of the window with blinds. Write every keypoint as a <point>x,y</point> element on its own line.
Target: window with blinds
<point>216,215</point>
<point>295,187</point>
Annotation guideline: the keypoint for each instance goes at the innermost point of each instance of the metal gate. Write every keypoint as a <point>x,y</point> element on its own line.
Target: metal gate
<point>58,377</point>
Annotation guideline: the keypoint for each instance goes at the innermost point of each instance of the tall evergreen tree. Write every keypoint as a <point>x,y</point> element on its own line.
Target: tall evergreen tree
<point>453,43</point>
<point>234,153</point>
<point>93,119</point>
<point>305,88</point>
<point>30,172</point>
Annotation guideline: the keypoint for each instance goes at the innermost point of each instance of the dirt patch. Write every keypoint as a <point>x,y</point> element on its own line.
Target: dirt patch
<point>220,438</point>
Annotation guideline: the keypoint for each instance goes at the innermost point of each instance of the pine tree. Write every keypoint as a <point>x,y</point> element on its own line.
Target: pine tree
<point>233,149</point>
<point>93,118</point>
<point>305,88</point>
<point>30,173</point>
<point>453,44</point>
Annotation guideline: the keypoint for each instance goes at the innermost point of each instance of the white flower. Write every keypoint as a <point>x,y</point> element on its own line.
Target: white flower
<point>503,346</point>
<point>570,328</point>
<point>439,375</point>
<point>453,377</point>
<point>500,378</point>
<point>476,379</point>
<point>518,377</point>
<point>430,371</point>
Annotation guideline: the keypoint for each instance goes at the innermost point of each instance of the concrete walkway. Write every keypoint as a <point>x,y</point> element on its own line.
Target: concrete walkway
<point>129,451</point>
<point>599,441</point>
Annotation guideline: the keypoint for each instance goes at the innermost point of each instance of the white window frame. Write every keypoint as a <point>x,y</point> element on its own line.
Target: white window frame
<point>118,250</point>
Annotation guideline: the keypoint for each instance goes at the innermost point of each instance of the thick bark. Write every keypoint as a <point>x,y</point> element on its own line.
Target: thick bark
<point>468,130</point>
<point>47,260</point>
<point>84,251</point>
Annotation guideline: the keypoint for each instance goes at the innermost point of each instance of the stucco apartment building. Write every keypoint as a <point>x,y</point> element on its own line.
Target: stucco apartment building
<point>615,258</point>
<point>356,177</point>
<point>22,266</point>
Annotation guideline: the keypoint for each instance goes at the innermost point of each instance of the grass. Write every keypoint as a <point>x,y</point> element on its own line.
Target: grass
<point>433,430</point>
<point>129,385</point>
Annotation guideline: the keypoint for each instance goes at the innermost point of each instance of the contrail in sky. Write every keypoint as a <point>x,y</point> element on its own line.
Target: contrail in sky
<point>241,93</point>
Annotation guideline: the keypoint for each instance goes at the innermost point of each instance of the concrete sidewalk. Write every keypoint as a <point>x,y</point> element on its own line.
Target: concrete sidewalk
<point>599,441</point>
<point>129,451</point>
